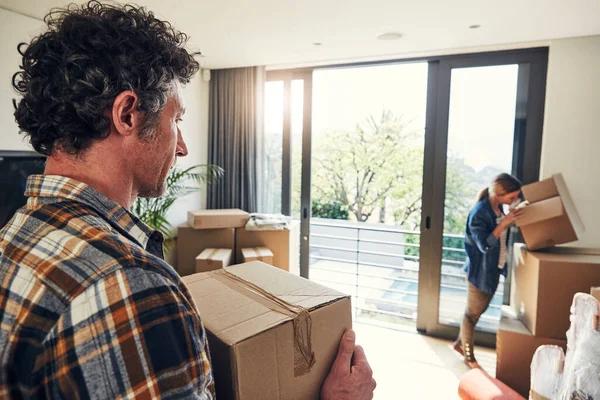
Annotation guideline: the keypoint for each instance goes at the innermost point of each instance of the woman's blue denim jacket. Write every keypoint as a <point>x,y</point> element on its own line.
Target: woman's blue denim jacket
<point>483,248</point>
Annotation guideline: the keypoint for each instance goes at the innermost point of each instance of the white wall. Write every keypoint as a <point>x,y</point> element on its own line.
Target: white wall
<point>14,28</point>
<point>571,141</point>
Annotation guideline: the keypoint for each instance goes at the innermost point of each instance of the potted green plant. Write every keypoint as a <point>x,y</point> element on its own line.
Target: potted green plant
<point>180,183</point>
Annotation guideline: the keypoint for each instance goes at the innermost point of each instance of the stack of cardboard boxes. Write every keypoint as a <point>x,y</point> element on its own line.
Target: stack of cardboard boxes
<point>207,229</point>
<point>545,279</point>
<point>213,239</point>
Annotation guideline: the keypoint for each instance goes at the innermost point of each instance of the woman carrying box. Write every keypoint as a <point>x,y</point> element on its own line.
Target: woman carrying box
<point>485,244</point>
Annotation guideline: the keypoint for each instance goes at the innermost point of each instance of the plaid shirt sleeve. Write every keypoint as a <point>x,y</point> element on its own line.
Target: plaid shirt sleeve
<point>133,334</point>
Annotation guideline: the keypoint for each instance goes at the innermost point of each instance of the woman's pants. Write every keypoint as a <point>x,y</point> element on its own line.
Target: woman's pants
<point>477,303</point>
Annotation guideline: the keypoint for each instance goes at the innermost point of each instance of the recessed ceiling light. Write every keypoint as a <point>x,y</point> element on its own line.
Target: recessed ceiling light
<point>317,44</point>
<point>474,26</point>
<point>390,36</point>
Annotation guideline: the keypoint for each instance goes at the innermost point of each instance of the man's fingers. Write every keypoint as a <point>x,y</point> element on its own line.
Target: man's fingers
<point>345,351</point>
<point>359,355</point>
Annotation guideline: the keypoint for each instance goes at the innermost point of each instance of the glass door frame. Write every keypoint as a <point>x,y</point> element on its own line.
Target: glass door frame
<point>531,88</point>
<point>287,76</point>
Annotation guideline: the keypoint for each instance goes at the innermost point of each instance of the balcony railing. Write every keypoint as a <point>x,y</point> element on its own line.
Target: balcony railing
<point>379,266</point>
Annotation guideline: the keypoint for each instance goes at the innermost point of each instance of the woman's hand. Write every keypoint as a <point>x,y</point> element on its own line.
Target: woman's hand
<point>507,221</point>
<point>511,217</point>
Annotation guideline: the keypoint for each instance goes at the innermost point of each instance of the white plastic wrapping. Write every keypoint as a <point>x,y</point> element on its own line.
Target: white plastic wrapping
<point>546,372</point>
<point>581,378</point>
<point>268,222</point>
<point>576,375</point>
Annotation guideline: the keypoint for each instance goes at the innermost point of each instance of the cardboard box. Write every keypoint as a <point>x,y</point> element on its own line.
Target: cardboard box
<point>257,254</point>
<point>253,348</point>
<point>191,242</point>
<point>595,291</point>
<point>544,284</point>
<point>285,245</point>
<point>515,346</point>
<point>215,219</point>
<point>211,259</point>
<point>551,217</point>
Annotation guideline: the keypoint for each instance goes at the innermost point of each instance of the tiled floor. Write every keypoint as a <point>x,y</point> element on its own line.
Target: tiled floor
<point>408,365</point>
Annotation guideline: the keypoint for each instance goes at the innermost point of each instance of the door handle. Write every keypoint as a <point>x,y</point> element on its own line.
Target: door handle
<point>427,222</point>
<point>305,213</point>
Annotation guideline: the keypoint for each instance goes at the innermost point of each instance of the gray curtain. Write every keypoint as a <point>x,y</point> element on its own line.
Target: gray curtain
<point>235,124</point>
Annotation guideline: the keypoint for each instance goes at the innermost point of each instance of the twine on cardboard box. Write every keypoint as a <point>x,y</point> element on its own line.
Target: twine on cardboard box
<point>304,357</point>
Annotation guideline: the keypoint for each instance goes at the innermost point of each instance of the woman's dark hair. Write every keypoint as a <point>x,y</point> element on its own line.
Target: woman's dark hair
<point>71,74</point>
<point>501,184</point>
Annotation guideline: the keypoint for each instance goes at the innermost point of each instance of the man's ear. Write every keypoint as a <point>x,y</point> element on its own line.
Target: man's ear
<point>125,116</point>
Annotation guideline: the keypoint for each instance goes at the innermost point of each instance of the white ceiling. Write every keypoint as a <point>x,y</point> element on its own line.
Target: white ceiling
<point>235,33</point>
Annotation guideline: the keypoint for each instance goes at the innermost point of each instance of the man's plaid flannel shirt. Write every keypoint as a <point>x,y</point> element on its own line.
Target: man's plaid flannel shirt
<point>88,307</point>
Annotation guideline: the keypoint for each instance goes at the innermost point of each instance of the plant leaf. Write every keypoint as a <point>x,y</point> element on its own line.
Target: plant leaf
<point>180,183</point>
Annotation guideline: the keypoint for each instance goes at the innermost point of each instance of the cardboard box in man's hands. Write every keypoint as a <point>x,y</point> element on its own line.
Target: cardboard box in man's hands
<point>264,326</point>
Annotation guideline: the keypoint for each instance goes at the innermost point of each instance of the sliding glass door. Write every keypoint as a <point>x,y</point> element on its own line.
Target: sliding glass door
<point>480,146</point>
<point>367,156</point>
<point>381,164</point>
<point>485,115</point>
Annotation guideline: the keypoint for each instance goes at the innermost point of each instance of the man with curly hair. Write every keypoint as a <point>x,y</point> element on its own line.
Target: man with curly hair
<point>88,307</point>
